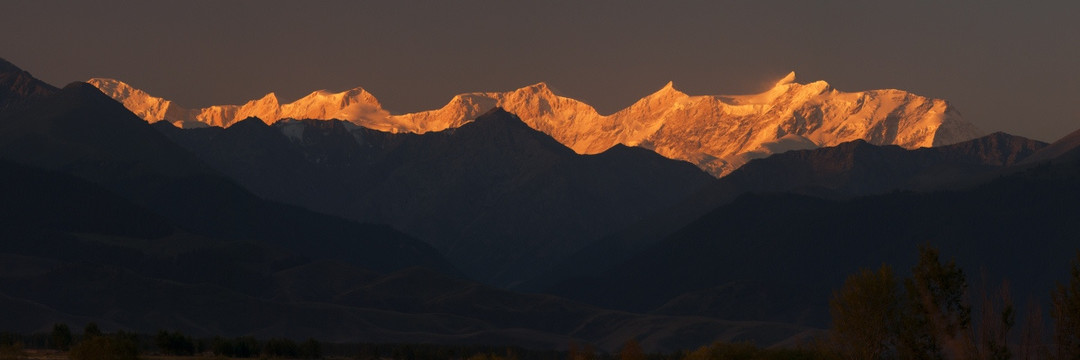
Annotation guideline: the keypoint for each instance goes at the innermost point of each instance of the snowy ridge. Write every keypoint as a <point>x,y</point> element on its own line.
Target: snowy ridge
<point>718,133</point>
<point>150,108</point>
<point>356,105</point>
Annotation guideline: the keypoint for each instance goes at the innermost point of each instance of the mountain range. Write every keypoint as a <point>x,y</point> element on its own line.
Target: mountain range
<point>716,133</point>
<point>115,223</point>
<point>332,229</point>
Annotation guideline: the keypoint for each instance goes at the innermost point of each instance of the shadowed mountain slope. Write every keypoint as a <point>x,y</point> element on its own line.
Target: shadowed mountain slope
<point>499,199</point>
<point>778,256</point>
<point>81,132</point>
<point>844,171</point>
<point>1065,149</point>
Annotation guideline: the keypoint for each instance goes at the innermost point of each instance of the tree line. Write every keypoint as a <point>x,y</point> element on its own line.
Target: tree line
<point>94,344</point>
<point>875,315</point>
<point>932,315</point>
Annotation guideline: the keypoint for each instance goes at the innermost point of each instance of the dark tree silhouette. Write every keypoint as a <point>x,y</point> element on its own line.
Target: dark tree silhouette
<point>61,337</point>
<point>937,319</point>
<point>865,315</point>
<point>1066,313</point>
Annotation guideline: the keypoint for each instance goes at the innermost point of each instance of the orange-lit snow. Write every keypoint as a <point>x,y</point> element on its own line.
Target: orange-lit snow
<point>717,133</point>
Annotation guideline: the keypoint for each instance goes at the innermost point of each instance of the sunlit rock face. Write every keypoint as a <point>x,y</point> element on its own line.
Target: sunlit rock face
<point>718,133</point>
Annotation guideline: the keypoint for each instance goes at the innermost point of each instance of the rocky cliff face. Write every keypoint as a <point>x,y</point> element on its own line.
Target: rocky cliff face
<point>717,133</point>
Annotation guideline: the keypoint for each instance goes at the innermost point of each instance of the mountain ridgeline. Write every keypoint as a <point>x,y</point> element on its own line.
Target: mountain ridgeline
<point>716,133</point>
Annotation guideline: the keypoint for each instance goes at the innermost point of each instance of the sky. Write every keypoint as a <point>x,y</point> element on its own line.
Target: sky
<point>1006,65</point>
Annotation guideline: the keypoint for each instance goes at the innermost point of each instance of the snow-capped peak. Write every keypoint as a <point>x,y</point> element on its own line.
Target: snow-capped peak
<point>667,91</point>
<point>268,98</point>
<point>538,90</point>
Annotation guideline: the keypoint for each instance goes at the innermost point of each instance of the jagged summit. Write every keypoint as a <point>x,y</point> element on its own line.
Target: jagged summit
<point>270,96</point>
<point>718,133</point>
<point>539,91</point>
<point>668,90</point>
<point>790,78</point>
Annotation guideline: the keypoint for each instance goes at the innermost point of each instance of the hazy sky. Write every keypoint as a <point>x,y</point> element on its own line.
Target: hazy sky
<point>1009,66</point>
